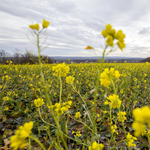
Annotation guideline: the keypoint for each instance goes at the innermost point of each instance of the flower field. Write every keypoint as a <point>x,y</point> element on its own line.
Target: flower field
<point>21,87</point>
<point>90,106</point>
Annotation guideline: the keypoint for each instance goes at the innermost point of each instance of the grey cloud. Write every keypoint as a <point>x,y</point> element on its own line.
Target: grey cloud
<point>144,31</point>
<point>74,24</point>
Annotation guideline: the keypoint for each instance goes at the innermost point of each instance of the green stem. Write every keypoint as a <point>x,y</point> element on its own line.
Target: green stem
<point>85,107</point>
<point>149,140</point>
<point>37,141</point>
<point>80,122</point>
<point>44,120</point>
<point>95,95</point>
<point>60,89</point>
<point>29,143</point>
<point>47,96</point>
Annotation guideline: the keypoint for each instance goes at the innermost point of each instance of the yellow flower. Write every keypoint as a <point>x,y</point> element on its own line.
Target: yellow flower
<point>121,116</point>
<point>109,41</point>
<point>119,35</point>
<point>18,141</point>
<point>77,115</point>
<point>142,117</point>
<point>117,74</point>
<point>111,34</point>
<point>130,141</point>
<point>108,28</point>
<point>105,81</point>
<point>69,79</point>
<point>142,114</point>
<point>96,146</point>
<point>6,98</point>
<point>106,103</point>
<point>105,112</point>
<point>89,47</point>
<point>113,129</point>
<point>121,91</point>
<point>61,69</point>
<point>78,134</point>
<point>6,108</point>
<point>45,23</point>
<point>121,45</point>
<point>115,102</point>
<point>31,26</point>
<point>104,33</point>
<point>35,26</point>
<point>38,102</point>
<point>107,75</point>
<point>60,109</point>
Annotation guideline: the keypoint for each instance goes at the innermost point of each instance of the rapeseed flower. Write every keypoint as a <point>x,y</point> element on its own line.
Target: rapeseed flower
<point>38,102</point>
<point>73,132</point>
<point>114,129</point>
<point>121,116</point>
<point>45,23</point>
<point>107,75</point>
<point>35,26</point>
<point>142,117</point>
<point>77,115</point>
<point>6,98</point>
<point>78,134</point>
<point>109,41</point>
<point>18,141</point>
<point>60,109</point>
<point>69,79</point>
<point>96,146</point>
<point>61,69</point>
<point>142,114</point>
<point>114,101</point>
<point>89,47</point>
<point>6,108</point>
<point>130,140</point>
<point>111,34</point>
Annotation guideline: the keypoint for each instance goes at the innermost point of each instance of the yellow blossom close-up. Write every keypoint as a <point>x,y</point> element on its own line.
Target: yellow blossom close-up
<point>19,139</point>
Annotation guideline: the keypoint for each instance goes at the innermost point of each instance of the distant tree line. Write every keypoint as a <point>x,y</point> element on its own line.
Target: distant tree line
<point>26,58</point>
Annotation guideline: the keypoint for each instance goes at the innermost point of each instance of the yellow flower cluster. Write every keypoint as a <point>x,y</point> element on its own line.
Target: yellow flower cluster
<point>89,47</point>
<point>38,102</point>
<point>107,75</point>
<point>78,134</point>
<point>130,141</point>
<point>60,109</point>
<point>61,69</point>
<point>69,79</point>
<point>121,116</point>
<point>142,117</point>
<point>36,26</point>
<point>6,98</point>
<point>111,34</point>
<point>77,115</point>
<point>45,23</point>
<point>19,139</point>
<point>96,146</point>
<point>113,129</point>
<point>115,102</point>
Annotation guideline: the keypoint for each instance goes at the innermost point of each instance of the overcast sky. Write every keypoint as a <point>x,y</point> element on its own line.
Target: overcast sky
<point>74,24</point>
